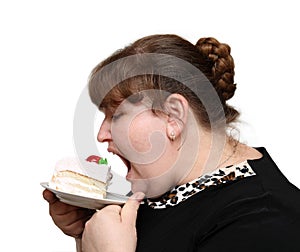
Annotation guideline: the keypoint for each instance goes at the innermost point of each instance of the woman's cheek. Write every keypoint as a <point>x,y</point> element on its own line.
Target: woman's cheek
<point>139,139</point>
<point>131,138</point>
<point>146,133</point>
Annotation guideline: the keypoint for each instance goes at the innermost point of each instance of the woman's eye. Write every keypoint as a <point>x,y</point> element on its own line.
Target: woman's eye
<point>116,116</point>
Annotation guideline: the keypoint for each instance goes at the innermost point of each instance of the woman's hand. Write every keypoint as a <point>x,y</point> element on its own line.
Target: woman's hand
<point>113,228</point>
<point>70,219</point>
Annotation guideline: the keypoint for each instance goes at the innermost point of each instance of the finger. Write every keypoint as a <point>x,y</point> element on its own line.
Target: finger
<point>49,196</point>
<point>73,223</point>
<point>70,217</point>
<point>129,210</point>
<point>75,229</point>
<point>111,210</point>
<point>60,208</point>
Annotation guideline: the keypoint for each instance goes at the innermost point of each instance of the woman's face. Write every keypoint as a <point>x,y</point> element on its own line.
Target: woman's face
<point>139,138</point>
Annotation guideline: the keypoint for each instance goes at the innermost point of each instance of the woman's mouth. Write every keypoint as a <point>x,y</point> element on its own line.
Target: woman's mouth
<point>124,160</point>
<point>127,164</point>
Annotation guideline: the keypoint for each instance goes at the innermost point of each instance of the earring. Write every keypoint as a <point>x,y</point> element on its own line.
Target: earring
<point>172,136</point>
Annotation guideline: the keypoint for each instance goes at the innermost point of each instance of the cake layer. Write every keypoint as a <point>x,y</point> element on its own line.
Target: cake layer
<point>100,172</point>
<point>81,178</point>
<point>75,183</point>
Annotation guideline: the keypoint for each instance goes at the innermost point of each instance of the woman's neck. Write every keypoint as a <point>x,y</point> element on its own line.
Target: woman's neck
<point>233,152</point>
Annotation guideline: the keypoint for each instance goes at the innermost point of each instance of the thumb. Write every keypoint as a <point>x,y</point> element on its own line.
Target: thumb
<point>129,210</point>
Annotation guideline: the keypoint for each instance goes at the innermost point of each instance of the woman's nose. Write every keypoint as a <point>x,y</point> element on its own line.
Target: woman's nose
<point>104,134</point>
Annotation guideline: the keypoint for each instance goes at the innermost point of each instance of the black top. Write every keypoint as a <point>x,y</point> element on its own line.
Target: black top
<point>256,213</point>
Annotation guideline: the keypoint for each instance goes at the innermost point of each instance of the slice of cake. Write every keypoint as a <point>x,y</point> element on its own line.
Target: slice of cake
<point>88,178</point>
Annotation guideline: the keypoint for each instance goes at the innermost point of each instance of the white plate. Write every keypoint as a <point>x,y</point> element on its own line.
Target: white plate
<point>86,202</point>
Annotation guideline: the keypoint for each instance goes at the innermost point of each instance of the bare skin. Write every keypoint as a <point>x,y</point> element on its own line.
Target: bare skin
<point>70,219</point>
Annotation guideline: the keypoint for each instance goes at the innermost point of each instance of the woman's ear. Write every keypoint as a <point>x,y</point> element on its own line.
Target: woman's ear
<point>177,108</point>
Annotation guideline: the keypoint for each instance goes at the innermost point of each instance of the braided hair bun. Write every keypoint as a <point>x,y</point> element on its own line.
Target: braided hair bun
<point>222,66</point>
<point>217,55</point>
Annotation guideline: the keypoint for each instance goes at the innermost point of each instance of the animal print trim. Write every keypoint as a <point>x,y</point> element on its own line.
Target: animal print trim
<point>220,176</point>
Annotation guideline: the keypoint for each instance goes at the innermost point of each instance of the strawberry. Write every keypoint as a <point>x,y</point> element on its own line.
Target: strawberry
<point>93,158</point>
<point>96,159</point>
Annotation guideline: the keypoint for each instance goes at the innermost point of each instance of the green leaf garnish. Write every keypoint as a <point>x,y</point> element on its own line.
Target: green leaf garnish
<point>103,161</point>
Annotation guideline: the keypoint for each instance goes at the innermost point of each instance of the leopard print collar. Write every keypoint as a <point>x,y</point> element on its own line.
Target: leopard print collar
<point>220,176</point>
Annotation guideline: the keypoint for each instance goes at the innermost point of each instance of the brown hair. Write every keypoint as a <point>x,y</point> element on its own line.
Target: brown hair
<point>209,56</point>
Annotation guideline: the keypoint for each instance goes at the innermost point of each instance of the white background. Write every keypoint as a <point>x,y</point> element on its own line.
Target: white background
<point>48,48</point>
